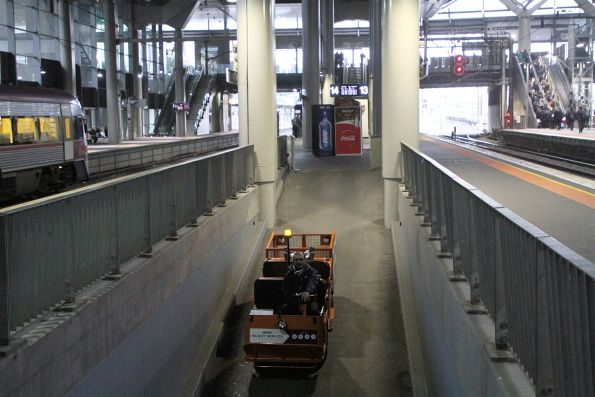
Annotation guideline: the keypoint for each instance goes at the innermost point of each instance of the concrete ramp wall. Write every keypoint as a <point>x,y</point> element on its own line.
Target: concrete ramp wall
<point>453,346</point>
<point>151,332</point>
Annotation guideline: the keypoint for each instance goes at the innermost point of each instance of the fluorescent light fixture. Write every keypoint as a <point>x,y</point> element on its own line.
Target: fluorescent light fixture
<point>42,72</point>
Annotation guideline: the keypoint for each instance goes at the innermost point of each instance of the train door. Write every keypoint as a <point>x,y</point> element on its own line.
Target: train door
<point>68,133</point>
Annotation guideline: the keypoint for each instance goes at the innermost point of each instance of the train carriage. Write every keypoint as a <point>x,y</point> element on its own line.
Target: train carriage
<point>42,140</point>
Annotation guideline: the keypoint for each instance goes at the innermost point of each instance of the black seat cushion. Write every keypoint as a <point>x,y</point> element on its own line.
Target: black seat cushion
<point>268,293</point>
<point>272,268</point>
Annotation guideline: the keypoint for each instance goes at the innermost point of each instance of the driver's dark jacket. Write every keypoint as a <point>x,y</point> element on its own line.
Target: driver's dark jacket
<point>295,283</point>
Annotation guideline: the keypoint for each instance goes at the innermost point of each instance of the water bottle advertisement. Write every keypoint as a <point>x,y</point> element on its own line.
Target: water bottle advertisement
<point>348,132</point>
<point>323,130</point>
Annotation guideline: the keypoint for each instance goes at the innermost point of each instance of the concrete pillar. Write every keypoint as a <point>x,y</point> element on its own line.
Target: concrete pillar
<point>179,84</point>
<point>67,48</point>
<point>494,107</point>
<point>525,33</point>
<point>197,54</point>
<point>137,74</point>
<point>311,69</point>
<point>161,62</point>
<point>375,84</point>
<point>111,75</point>
<point>144,75</point>
<point>256,46</point>
<point>327,22</point>
<point>216,113</point>
<point>572,53</point>
<point>400,77</point>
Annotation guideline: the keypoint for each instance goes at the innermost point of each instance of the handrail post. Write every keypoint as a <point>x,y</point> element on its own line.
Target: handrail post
<point>4,286</point>
<point>544,378</point>
<point>501,322</point>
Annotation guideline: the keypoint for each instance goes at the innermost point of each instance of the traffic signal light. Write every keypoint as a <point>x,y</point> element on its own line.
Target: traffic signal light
<point>507,119</point>
<point>459,67</point>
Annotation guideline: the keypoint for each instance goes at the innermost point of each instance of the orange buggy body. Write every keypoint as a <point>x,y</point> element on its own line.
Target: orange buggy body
<point>274,340</point>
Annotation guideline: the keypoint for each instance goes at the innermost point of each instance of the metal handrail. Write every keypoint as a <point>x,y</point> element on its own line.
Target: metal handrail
<point>88,232</point>
<point>539,293</point>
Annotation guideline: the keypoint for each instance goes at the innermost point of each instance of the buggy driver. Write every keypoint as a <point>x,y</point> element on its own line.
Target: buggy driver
<point>300,283</point>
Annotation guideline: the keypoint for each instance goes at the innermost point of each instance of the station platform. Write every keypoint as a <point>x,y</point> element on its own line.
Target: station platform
<point>563,143</point>
<point>105,158</point>
<point>557,203</point>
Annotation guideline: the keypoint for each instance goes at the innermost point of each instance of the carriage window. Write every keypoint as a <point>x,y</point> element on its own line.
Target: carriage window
<point>48,129</point>
<point>5,131</point>
<point>79,128</point>
<point>67,129</point>
<point>26,130</point>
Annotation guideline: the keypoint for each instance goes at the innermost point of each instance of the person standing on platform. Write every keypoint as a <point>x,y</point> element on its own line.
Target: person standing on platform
<point>570,117</point>
<point>581,118</point>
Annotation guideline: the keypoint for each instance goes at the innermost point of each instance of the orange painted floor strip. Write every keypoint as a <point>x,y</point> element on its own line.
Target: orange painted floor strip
<point>567,191</point>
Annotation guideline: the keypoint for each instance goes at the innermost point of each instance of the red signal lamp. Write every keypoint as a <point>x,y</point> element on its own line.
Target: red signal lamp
<point>458,70</point>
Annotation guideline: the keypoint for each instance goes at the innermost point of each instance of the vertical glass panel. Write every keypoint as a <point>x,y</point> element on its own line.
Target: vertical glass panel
<point>28,69</point>
<point>86,14</point>
<point>4,12</point>
<point>6,39</point>
<point>49,24</point>
<point>100,56</point>
<point>50,48</point>
<point>26,43</point>
<point>89,77</point>
<point>25,18</point>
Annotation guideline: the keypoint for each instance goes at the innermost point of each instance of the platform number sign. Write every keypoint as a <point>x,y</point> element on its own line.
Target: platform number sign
<point>459,67</point>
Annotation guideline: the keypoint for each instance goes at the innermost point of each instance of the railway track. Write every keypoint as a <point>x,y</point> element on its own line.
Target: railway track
<point>558,162</point>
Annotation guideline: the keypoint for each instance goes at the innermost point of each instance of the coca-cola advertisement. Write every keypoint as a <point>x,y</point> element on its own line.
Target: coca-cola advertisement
<point>323,142</point>
<point>348,132</point>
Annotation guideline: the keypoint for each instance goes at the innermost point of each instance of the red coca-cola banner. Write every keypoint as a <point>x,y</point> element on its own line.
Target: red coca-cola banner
<point>348,133</point>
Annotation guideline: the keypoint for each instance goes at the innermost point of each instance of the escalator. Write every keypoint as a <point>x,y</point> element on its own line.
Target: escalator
<point>521,103</point>
<point>200,102</point>
<point>559,83</point>
<point>166,119</point>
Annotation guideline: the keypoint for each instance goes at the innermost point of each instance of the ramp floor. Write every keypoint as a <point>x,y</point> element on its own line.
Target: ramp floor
<point>562,209</point>
<point>367,350</point>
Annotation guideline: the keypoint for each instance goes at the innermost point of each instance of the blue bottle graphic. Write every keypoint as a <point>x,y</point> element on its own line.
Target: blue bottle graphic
<point>324,134</point>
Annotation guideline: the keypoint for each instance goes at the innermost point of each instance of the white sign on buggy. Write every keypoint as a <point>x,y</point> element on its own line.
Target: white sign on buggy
<point>268,335</point>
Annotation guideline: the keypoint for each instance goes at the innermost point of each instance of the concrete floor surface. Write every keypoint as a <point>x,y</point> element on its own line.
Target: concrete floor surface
<point>367,350</point>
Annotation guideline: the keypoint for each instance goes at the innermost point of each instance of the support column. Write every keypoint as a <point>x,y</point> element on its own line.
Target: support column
<point>525,33</point>
<point>216,109</point>
<point>400,77</point>
<point>327,18</point>
<point>143,97</point>
<point>111,75</point>
<point>67,48</point>
<point>375,84</point>
<point>179,84</point>
<point>256,46</point>
<point>311,68</point>
<point>161,63</point>
<point>137,74</point>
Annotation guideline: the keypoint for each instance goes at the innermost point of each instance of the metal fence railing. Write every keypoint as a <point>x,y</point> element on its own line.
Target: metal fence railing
<point>53,247</point>
<point>540,294</point>
<point>283,155</point>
